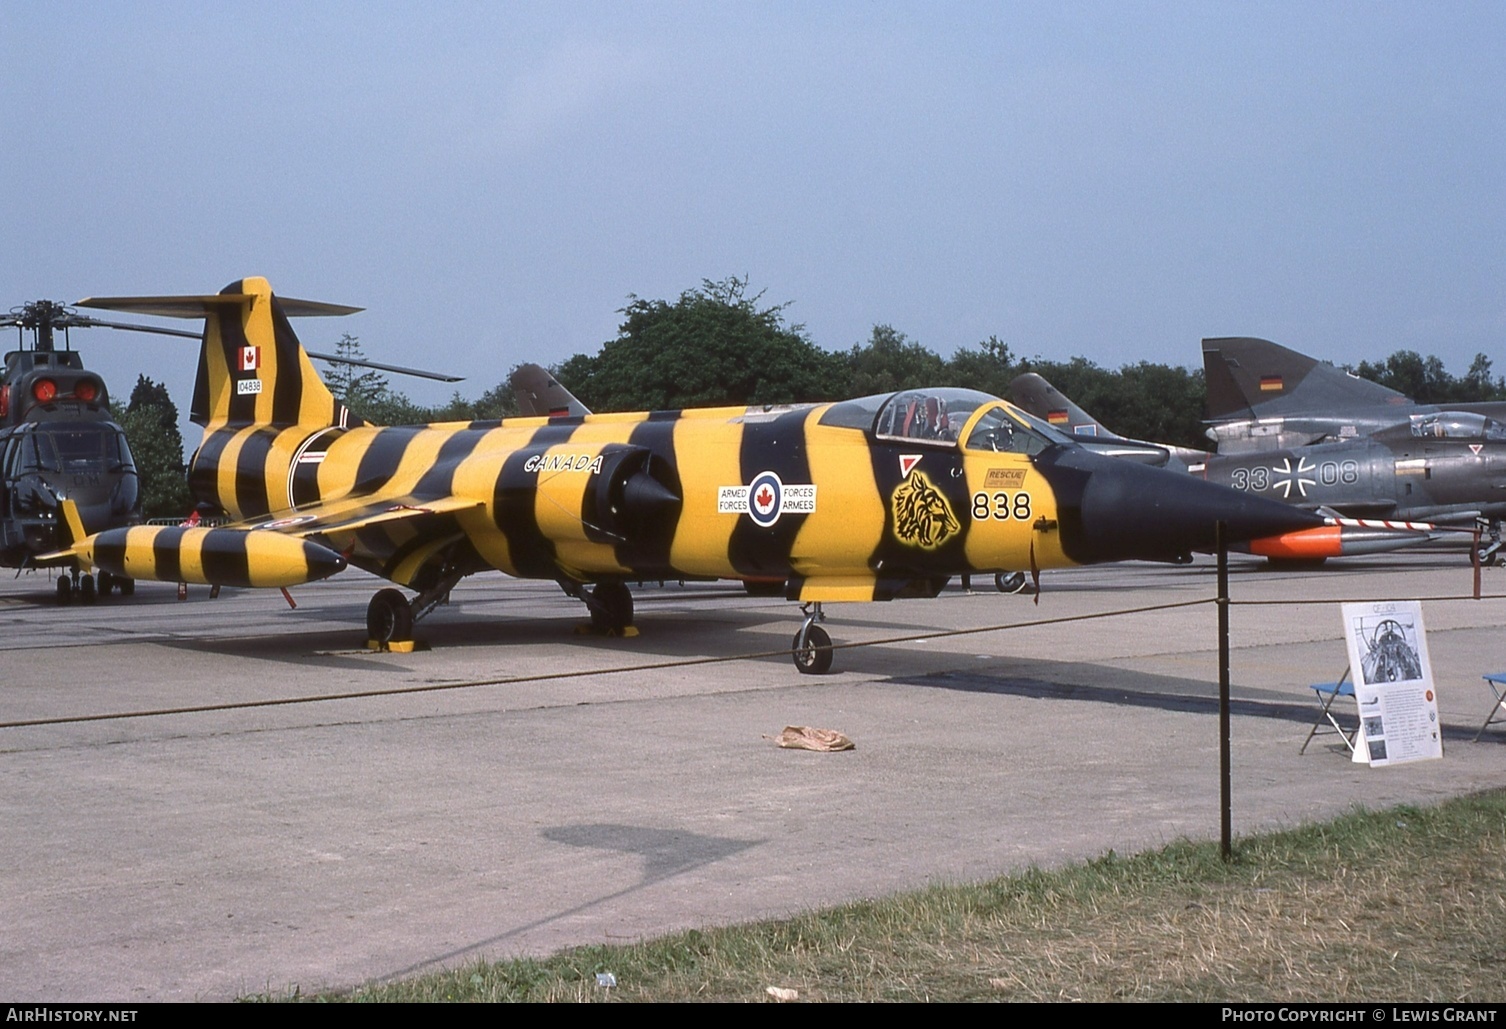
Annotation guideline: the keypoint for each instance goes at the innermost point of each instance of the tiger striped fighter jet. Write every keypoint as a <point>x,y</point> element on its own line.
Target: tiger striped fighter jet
<point>864,500</point>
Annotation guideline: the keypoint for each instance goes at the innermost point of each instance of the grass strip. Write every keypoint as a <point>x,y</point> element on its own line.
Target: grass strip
<point>1407,904</point>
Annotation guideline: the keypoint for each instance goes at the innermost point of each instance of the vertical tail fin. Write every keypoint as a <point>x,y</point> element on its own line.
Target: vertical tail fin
<point>540,395</point>
<point>252,369</point>
<point>1033,393</point>
<point>1249,377</point>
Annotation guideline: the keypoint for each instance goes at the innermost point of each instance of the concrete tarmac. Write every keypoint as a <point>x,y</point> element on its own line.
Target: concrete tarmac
<point>325,843</point>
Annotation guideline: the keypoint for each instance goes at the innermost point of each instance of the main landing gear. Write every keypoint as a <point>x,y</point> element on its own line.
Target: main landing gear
<point>390,615</point>
<point>611,606</point>
<point>83,587</point>
<point>812,646</point>
<point>389,619</point>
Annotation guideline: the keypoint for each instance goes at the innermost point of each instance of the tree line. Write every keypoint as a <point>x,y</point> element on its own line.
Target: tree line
<point>717,344</point>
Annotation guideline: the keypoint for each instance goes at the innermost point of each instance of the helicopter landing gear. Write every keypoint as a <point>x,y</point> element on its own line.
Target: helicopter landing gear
<point>73,586</point>
<point>389,619</point>
<point>611,605</point>
<point>811,648</point>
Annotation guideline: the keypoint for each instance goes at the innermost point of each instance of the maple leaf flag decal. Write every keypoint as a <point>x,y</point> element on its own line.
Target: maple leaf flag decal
<point>250,358</point>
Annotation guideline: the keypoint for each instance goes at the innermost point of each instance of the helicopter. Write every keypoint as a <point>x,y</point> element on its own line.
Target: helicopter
<point>58,440</point>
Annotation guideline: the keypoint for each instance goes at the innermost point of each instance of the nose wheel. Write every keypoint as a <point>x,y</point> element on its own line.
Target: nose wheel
<point>1490,541</point>
<point>811,648</point>
<point>1014,582</point>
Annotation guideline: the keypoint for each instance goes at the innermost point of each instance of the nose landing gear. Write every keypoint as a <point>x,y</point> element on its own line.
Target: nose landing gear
<point>811,648</point>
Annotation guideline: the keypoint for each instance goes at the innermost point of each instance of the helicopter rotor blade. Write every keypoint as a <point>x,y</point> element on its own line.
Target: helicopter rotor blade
<point>59,316</point>
<point>85,322</point>
<point>395,368</point>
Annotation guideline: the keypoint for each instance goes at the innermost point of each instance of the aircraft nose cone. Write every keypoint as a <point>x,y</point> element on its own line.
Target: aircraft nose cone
<point>1113,510</point>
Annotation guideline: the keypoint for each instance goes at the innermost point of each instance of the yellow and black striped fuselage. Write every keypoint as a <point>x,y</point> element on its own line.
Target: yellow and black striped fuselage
<point>722,493</point>
<point>865,499</point>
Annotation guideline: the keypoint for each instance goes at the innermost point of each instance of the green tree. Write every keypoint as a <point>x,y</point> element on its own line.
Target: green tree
<point>891,361</point>
<point>363,390</point>
<point>150,422</point>
<point>1477,383</point>
<point>714,345</point>
<point>1426,381</point>
<point>990,366</point>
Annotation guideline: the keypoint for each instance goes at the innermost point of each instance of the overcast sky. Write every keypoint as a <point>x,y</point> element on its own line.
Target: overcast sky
<point>491,180</point>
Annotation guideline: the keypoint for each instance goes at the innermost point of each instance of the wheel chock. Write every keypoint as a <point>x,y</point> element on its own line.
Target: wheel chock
<point>396,646</point>
<point>626,633</point>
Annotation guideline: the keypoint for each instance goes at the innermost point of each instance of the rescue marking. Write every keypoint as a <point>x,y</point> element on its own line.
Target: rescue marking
<point>907,463</point>
<point>1004,478</point>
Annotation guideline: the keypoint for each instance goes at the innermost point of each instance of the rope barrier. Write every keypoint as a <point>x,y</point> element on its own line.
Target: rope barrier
<point>580,674</point>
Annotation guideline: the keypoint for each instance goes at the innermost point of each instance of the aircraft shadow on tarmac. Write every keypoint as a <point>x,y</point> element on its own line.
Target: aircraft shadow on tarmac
<point>1137,689</point>
<point>666,853</point>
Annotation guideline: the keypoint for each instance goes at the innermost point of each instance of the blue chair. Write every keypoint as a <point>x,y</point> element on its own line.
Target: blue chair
<point>1326,693</point>
<point>1497,683</point>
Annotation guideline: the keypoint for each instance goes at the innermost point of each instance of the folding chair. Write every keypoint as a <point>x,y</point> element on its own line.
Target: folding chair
<point>1497,683</point>
<point>1326,693</point>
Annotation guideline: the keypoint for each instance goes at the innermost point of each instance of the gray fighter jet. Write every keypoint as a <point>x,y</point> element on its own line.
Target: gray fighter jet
<point>1443,467</point>
<point>1263,396</point>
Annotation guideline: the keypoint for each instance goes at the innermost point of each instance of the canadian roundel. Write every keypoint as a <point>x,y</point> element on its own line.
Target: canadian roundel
<point>765,499</point>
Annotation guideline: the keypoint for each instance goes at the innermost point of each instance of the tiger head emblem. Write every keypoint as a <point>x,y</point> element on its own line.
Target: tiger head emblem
<point>922,516</point>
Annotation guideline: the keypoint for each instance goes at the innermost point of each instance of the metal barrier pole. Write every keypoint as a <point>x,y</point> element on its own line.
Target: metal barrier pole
<point>1225,799</point>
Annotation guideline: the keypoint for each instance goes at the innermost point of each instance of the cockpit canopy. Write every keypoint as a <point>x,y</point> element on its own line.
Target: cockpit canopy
<point>76,447</point>
<point>946,417</point>
<point>1457,425</point>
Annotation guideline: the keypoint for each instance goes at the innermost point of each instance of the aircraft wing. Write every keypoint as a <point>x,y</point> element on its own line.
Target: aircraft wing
<point>353,514</point>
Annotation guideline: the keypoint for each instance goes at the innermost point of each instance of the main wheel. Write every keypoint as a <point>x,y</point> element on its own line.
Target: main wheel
<point>127,587</point>
<point>815,657</point>
<point>86,588</point>
<point>389,619</point>
<point>65,590</point>
<point>613,610</point>
<point>106,583</point>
